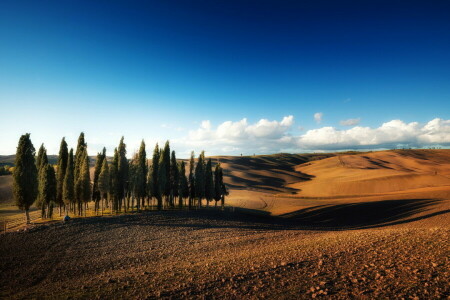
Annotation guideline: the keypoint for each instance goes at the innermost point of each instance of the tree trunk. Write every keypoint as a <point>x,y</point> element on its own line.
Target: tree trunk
<point>27,216</point>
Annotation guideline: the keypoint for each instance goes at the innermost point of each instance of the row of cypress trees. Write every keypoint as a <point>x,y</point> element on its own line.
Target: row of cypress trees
<point>121,184</point>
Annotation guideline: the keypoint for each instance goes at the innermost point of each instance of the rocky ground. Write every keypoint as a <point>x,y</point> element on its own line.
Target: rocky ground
<point>214,254</point>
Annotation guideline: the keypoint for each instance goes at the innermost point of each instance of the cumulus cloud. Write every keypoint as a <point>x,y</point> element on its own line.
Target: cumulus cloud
<point>271,136</point>
<point>389,135</point>
<point>350,122</point>
<point>318,117</point>
<point>240,136</point>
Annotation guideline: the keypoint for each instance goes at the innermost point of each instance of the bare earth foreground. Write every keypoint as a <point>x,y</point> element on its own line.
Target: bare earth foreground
<point>356,226</point>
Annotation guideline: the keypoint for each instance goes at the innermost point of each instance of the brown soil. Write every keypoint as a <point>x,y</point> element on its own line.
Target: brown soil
<point>363,226</point>
<point>185,254</point>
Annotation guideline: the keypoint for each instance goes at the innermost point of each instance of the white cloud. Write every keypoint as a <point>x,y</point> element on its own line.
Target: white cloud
<point>350,122</point>
<point>267,136</point>
<point>240,136</point>
<point>318,117</point>
<point>388,135</point>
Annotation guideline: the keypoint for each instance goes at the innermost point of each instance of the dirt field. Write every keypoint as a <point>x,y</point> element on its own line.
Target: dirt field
<point>373,225</point>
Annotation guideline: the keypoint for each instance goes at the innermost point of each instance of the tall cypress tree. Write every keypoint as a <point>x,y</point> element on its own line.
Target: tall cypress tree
<point>81,147</point>
<point>85,181</point>
<point>209,182</point>
<point>82,182</point>
<point>41,157</point>
<point>162,180</point>
<point>149,188</point>
<point>114,183</point>
<point>174,178</point>
<point>183,187</point>
<point>42,179</point>
<point>142,174</point>
<point>25,184</point>
<point>122,172</point>
<point>103,181</point>
<point>191,180</point>
<point>165,155</point>
<point>96,197</point>
<point>69,183</point>
<point>63,157</point>
<point>47,189</point>
<point>155,174</point>
<point>200,179</point>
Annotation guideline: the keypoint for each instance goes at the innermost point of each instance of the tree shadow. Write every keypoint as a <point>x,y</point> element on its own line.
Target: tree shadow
<point>320,217</point>
<point>363,215</point>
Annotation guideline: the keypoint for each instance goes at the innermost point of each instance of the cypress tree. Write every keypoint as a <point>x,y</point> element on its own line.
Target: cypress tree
<point>155,174</point>
<point>166,188</point>
<point>82,182</point>
<point>63,157</point>
<point>41,157</point>
<point>200,179</point>
<point>81,147</point>
<point>183,187</point>
<point>25,184</point>
<point>47,189</point>
<point>209,183</point>
<point>149,188</point>
<point>69,183</point>
<point>96,197</point>
<point>122,172</point>
<point>174,177</point>
<point>85,181</point>
<point>191,180</point>
<point>103,181</point>
<point>162,181</point>
<point>142,173</point>
<point>113,183</point>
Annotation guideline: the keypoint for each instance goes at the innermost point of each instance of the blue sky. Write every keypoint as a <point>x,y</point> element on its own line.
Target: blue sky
<point>158,69</point>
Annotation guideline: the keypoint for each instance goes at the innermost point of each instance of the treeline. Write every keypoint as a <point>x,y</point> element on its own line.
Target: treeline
<point>120,184</point>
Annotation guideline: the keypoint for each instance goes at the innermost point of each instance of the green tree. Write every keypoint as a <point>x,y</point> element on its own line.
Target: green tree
<point>86,181</point>
<point>156,192</point>
<point>141,174</point>
<point>103,181</point>
<point>42,166</point>
<point>122,173</point>
<point>200,179</point>
<point>113,182</point>
<point>149,186</point>
<point>183,187</point>
<point>25,181</point>
<point>165,161</point>
<point>47,190</point>
<point>191,180</point>
<point>162,181</point>
<point>63,157</point>
<point>79,155</point>
<point>174,178</point>
<point>83,183</point>
<point>96,195</point>
<point>69,183</point>
<point>41,157</point>
<point>209,182</point>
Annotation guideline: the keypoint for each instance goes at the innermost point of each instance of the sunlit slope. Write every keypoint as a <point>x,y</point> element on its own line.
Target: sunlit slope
<point>375,173</point>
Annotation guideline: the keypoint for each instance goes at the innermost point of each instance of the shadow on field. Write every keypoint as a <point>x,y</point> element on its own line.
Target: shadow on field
<point>363,215</point>
<point>322,217</point>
